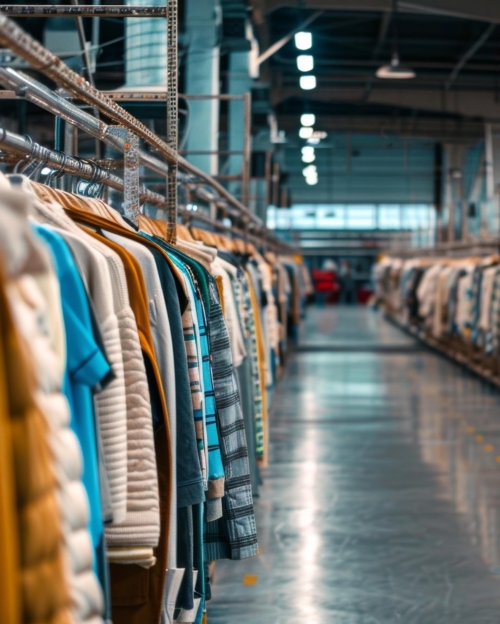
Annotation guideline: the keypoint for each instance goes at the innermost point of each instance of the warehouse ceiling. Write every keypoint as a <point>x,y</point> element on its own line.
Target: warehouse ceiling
<point>349,46</point>
<point>452,45</point>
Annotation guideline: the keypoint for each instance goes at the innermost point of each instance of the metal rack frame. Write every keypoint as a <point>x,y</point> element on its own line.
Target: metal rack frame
<point>60,10</point>
<point>41,59</point>
<point>22,44</point>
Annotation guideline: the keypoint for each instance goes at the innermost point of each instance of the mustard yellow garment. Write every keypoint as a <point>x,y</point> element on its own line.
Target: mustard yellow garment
<point>261,356</point>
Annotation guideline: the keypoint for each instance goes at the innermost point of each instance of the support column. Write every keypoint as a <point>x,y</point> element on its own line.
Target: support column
<point>203,18</point>
<point>454,193</point>
<point>239,83</point>
<point>491,224</point>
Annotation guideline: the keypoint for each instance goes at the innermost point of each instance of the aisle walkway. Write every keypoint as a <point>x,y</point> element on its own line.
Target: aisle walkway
<point>382,501</point>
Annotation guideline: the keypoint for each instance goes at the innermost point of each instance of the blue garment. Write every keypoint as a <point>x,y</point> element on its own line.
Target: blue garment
<point>86,366</point>
<point>215,466</point>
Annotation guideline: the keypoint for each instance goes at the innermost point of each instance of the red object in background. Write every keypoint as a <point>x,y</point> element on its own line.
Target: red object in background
<point>364,295</point>
<point>324,281</point>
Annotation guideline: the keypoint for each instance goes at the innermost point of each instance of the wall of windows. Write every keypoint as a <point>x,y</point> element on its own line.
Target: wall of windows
<point>352,217</point>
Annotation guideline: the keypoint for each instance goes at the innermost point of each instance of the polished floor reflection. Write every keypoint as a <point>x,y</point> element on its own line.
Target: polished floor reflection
<point>382,500</point>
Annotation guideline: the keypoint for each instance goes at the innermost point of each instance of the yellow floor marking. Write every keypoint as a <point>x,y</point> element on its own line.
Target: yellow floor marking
<point>489,448</point>
<point>250,579</point>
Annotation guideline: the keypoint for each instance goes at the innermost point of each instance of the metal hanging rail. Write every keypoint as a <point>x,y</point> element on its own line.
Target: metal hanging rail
<point>86,170</point>
<point>42,96</point>
<point>60,10</point>
<point>21,43</point>
<point>269,241</point>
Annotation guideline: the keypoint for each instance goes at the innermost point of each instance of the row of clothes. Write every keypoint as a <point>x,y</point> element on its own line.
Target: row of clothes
<point>135,390</point>
<point>446,297</point>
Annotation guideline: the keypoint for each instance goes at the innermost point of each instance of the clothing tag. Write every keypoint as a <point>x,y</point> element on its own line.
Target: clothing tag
<point>131,181</point>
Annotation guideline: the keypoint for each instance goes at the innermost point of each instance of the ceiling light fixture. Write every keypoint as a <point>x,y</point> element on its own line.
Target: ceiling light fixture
<point>310,171</point>
<point>303,40</point>
<point>312,181</point>
<point>305,62</point>
<point>308,119</point>
<point>308,82</point>
<point>395,71</point>
<point>306,133</point>
<point>308,154</point>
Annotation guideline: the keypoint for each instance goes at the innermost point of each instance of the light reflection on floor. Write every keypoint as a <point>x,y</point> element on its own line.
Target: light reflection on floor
<point>381,503</point>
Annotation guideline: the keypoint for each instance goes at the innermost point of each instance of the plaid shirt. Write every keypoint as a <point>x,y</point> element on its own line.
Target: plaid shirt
<point>251,335</point>
<point>493,334</point>
<point>215,483</point>
<point>235,535</point>
<point>474,295</point>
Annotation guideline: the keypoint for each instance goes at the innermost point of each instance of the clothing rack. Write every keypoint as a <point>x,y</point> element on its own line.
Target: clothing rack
<point>87,170</point>
<point>22,44</point>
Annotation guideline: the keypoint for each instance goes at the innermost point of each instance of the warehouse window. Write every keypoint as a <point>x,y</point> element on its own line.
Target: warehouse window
<point>352,217</point>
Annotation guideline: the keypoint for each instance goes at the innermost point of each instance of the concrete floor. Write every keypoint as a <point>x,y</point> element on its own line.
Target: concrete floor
<point>382,500</point>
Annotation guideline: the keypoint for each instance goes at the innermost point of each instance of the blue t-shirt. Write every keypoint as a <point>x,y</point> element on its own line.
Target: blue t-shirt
<point>86,366</point>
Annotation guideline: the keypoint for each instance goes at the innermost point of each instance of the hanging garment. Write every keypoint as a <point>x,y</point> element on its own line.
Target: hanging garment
<point>86,369</point>
<point>35,301</point>
<point>108,292</point>
<point>31,565</point>
<point>138,593</point>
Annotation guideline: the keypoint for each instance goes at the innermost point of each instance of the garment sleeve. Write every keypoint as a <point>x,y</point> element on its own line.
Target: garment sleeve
<point>86,362</point>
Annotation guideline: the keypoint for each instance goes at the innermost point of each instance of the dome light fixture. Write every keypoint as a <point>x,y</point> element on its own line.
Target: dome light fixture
<point>308,82</point>
<point>308,119</point>
<point>395,71</point>
<point>305,62</point>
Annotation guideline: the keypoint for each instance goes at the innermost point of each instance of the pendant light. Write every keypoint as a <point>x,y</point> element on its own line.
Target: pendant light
<point>395,71</point>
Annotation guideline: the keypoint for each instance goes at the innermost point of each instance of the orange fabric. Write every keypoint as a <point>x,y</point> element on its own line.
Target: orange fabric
<point>10,594</point>
<point>33,587</point>
<point>220,288</point>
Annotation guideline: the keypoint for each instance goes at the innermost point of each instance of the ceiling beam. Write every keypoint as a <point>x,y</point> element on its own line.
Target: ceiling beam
<point>483,10</point>
<point>444,130</point>
<point>469,54</point>
<point>477,104</point>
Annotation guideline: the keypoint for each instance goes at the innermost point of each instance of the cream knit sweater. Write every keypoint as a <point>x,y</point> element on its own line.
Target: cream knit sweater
<point>111,402</point>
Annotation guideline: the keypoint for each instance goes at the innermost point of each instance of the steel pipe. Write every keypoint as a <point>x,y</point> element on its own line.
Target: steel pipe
<point>23,146</point>
<point>60,10</point>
